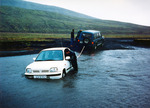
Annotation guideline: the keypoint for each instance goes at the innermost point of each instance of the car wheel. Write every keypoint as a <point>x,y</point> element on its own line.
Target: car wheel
<point>75,66</point>
<point>95,47</point>
<point>63,74</point>
<point>29,77</point>
<point>74,63</point>
<point>102,45</point>
<point>86,40</point>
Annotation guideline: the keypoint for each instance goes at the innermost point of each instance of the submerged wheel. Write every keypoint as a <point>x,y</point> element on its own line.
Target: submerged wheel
<point>74,63</point>
<point>75,66</point>
<point>63,74</point>
<point>95,47</point>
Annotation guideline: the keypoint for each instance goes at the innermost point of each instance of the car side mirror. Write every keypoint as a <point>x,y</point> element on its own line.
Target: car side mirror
<point>34,58</point>
<point>68,58</point>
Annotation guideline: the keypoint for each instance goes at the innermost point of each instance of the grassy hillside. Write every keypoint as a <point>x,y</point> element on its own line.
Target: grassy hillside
<point>35,6</point>
<point>14,19</point>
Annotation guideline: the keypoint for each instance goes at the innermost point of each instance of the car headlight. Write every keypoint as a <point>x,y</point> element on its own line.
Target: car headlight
<point>28,70</point>
<point>53,69</point>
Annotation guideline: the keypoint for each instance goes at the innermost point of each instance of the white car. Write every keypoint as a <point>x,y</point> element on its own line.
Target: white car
<point>52,63</point>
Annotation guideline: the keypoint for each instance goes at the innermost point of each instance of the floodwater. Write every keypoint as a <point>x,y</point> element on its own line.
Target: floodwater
<point>105,79</point>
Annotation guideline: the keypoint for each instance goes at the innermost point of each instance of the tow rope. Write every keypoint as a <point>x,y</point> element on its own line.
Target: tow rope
<point>81,52</point>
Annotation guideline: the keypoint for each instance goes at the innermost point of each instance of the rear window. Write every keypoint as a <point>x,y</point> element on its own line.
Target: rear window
<point>88,35</point>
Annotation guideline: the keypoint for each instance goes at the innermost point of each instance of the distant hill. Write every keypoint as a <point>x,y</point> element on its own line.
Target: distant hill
<point>35,6</point>
<point>13,19</point>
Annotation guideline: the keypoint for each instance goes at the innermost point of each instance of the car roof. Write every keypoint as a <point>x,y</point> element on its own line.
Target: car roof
<point>56,48</point>
<point>90,31</point>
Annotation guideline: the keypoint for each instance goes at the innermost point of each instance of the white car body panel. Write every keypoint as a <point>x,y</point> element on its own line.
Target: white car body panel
<point>42,68</point>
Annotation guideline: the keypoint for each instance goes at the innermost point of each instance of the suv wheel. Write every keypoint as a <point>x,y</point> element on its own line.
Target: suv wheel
<point>86,40</point>
<point>95,47</point>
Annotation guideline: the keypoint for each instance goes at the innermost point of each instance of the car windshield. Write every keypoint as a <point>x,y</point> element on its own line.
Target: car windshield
<point>88,35</point>
<point>50,55</point>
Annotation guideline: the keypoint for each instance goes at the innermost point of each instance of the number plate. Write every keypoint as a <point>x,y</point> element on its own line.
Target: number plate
<point>40,77</point>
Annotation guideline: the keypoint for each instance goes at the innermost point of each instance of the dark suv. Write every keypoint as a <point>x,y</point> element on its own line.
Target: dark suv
<point>90,38</point>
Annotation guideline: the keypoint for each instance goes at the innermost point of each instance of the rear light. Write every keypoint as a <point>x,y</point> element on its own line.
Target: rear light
<point>78,40</point>
<point>92,43</point>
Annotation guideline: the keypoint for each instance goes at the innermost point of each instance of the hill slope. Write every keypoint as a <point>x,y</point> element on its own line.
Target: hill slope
<point>35,6</point>
<point>14,19</point>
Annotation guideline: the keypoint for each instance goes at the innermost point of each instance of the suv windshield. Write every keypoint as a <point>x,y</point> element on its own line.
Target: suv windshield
<point>50,55</point>
<point>88,35</point>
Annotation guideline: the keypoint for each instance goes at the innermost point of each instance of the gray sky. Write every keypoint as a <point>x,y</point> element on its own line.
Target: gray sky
<point>133,11</point>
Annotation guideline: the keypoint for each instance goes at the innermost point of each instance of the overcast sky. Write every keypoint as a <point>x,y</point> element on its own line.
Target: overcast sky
<point>133,11</point>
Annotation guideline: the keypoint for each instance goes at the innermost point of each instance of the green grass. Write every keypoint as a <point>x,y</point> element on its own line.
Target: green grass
<point>127,36</point>
<point>10,37</point>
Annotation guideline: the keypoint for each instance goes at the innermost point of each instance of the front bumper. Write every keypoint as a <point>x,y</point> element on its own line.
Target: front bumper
<point>83,44</point>
<point>56,75</point>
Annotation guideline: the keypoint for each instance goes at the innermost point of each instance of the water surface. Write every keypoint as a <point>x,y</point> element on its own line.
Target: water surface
<point>112,78</point>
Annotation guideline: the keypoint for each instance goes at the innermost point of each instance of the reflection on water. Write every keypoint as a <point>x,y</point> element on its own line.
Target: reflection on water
<point>112,78</point>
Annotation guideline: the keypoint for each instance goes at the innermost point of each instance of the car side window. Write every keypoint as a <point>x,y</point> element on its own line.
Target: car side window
<point>67,52</point>
<point>100,35</point>
<point>96,35</point>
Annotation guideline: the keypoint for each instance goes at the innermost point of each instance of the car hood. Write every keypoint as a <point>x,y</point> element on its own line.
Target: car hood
<point>39,65</point>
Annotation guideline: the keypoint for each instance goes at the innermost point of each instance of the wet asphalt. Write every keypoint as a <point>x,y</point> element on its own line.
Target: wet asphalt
<point>105,79</point>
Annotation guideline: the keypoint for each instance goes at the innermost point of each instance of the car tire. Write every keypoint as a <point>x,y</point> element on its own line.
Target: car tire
<point>95,47</point>
<point>29,77</point>
<point>74,63</point>
<point>75,66</point>
<point>64,74</point>
<point>86,40</point>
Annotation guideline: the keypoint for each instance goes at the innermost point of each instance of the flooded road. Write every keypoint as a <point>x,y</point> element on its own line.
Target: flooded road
<point>105,79</point>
